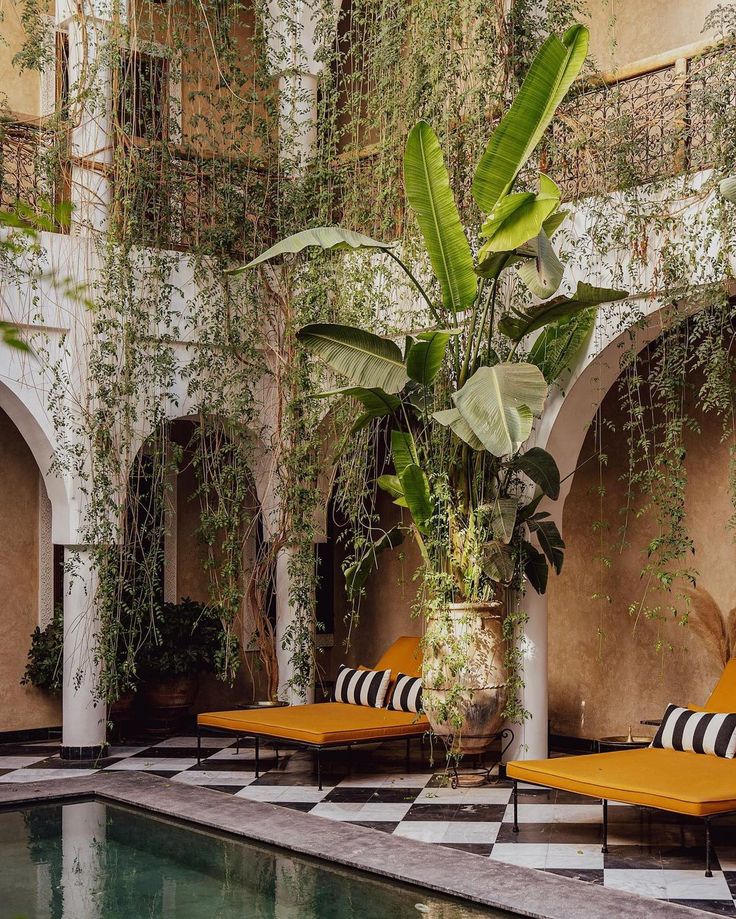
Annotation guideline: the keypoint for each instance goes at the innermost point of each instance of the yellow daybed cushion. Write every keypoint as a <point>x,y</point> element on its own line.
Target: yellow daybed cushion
<point>323,723</point>
<point>684,783</point>
<point>334,722</point>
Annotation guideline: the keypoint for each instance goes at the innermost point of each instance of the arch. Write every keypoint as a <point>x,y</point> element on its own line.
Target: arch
<point>569,412</point>
<point>33,427</point>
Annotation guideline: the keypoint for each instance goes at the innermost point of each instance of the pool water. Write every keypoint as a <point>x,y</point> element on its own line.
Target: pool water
<point>88,860</point>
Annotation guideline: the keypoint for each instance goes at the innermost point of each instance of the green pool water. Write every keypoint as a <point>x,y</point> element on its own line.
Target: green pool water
<point>88,860</point>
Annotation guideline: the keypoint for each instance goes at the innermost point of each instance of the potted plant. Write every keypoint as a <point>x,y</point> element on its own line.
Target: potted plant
<point>185,641</point>
<point>459,399</point>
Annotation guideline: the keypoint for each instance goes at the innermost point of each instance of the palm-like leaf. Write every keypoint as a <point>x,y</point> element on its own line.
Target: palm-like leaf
<point>320,237</point>
<point>451,418</point>
<point>499,404</point>
<point>417,495</point>
<point>558,346</point>
<point>428,191</point>
<point>366,359</point>
<point>541,468</point>
<point>517,324</point>
<point>727,189</point>
<point>403,450</point>
<point>542,274</point>
<point>518,218</point>
<point>551,74</point>
<point>427,354</point>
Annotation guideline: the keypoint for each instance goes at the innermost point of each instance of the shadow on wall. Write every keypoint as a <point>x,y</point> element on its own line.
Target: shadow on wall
<point>605,671</point>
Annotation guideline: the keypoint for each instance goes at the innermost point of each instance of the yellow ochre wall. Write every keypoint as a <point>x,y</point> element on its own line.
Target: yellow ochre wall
<point>20,93</point>
<point>625,31</point>
<point>23,706</point>
<point>601,685</point>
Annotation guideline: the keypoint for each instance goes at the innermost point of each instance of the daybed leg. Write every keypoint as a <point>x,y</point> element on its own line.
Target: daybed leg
<point>604,847</point>
<point>199,746</point>
<point>319,769</point>
<point>516,807</point>
<point>258,753</point>
<point>708,872</point>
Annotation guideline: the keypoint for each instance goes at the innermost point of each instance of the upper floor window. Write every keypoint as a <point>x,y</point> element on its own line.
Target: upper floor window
<point>143,104</point>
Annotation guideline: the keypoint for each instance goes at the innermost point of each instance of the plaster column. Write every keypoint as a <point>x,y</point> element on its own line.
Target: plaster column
<point>90,57</point>
<point>531,737</point>
<point>284,622</point>
<point>84,716</point>
<point>83,831</point>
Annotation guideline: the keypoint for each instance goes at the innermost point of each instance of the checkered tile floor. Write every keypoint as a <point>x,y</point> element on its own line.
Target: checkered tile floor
<point>650,853</point>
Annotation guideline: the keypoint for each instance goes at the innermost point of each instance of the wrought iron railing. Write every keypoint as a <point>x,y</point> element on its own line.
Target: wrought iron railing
<point>31,165</point>
<point>654,121</point>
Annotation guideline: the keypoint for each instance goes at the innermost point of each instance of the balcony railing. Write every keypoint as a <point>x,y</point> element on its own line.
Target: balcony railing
<point>655,120</point>
<point>31,167</point>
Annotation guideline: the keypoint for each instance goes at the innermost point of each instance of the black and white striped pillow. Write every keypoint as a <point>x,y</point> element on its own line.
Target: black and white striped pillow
<point>697,732</point>
<point>407,694</point>
<point>362,687</point>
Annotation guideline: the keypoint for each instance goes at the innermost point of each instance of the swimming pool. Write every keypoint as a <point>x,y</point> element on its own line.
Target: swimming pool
<point>92,860</point>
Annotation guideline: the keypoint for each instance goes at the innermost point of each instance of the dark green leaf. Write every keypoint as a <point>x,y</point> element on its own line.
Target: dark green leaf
<point>558,346</point>
<point>427,355</point>
<point>535,567</point>
<point>418,496</point>
<point>541,468</point>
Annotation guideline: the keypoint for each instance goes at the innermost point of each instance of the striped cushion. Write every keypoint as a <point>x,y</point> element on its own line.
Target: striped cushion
<point>362,687</point>
<point>697,732</point>
<point>407,694</point>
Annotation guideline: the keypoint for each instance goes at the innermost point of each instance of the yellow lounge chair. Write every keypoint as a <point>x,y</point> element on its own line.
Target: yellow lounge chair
<point>327,724</point>
<point>692,784</point>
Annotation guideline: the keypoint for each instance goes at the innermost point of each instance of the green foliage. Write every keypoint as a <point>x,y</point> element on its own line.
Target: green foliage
<point>44,669</point>
<point>186,640</point>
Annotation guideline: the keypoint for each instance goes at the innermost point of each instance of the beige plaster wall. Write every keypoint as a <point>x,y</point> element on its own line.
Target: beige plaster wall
<point>23,706</point>
<point>385,610</point>
<point>19,92</point>
<point>624,31</point>
<point>605,672</point>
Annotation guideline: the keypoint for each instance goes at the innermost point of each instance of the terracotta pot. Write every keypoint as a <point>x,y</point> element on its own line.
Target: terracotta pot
<point>168,700</point>
<point>472,632</point>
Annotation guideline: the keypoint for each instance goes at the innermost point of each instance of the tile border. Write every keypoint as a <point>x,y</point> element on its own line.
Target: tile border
<point>482,881</point>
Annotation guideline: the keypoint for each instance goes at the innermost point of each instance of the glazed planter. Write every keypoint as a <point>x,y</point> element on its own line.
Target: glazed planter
<point>168,700</point>
<point>464,675</point>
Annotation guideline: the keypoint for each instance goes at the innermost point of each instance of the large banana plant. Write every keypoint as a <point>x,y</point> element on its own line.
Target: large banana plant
<point>466,376</point>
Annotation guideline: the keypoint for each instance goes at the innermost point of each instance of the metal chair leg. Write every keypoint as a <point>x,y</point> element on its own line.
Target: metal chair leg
<point>199,745</point>
<point>319,769</point>
<point>708,872</point>
<point>258,752</point>
<point>516,807</point>
<point>604,847</point>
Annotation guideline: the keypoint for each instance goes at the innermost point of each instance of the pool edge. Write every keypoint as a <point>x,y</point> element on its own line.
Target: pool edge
<point>481,881</point>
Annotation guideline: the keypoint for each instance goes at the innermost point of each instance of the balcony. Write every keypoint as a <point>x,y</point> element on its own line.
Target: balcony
<point>658,118</point>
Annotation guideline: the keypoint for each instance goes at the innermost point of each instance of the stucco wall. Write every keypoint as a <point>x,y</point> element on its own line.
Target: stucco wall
<point>385,610</point>
<point>604,673</point>
<point>23,706</point>
<point>624,31</point>
<point>21,92</point>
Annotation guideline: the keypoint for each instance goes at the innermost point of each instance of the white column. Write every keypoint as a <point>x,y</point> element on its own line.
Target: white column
<point>90,80</point>
<point>284,622</point>
<point>84,716</point>
<point>297,119</point>
<point>530,738</point>
<point>83,830</point>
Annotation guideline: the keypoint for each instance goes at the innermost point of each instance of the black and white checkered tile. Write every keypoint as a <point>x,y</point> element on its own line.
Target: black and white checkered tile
<point>650,853</point>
